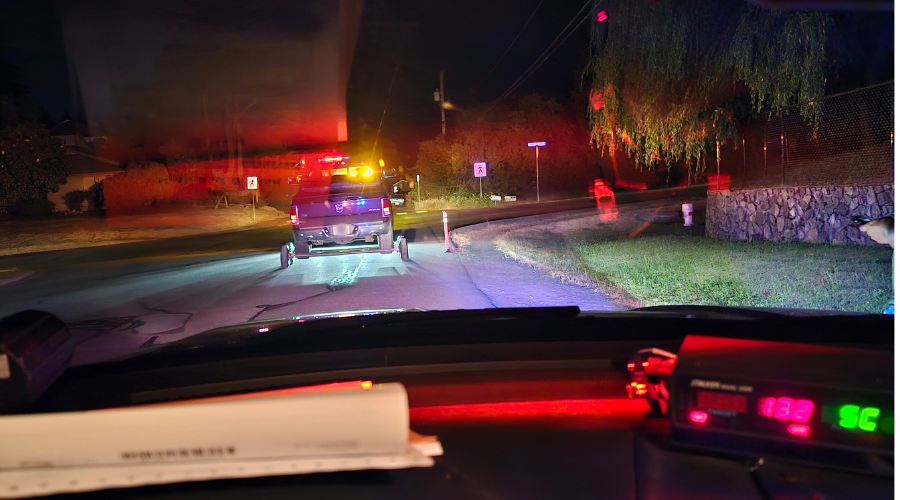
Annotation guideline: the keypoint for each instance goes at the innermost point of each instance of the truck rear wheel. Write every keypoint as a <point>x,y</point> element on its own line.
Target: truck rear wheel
<point>386,242</point>
<point>285,257</point>
<point>301,251</point>
<point>404,249</point>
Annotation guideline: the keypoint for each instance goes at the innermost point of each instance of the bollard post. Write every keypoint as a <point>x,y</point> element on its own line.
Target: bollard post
<point>446,232</point>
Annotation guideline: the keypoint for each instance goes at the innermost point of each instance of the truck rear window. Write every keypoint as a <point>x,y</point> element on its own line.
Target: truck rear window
<point>343,184</point>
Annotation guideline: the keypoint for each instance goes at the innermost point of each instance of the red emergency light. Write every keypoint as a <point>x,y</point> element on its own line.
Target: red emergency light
<point>332,159</point>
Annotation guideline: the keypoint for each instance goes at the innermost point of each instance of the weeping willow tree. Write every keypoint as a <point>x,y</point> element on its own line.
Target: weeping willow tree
<point>671,78</point>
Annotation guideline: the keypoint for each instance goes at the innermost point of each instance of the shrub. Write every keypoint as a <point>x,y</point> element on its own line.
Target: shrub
<point>438,198</point>
<point>95,195</point>
<point>33,208</point>
<point>138,186</point>
<point>74,199</point>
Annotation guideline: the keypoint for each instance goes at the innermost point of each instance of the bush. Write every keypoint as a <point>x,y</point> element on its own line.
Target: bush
<point>95,195</point>
<point>138,186</point>
<point>33,208</point>
<point>74,199</point>
<point>438,198</point>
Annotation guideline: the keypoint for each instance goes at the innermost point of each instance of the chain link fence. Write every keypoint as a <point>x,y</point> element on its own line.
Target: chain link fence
<point>852,145</point>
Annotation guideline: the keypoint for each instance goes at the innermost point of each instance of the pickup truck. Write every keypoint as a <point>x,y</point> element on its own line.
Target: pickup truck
<point>340,207</point>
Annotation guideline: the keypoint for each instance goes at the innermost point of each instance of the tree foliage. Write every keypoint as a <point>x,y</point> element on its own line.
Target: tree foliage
<point>499,137</point>
<point>671,78</point>
<point>31,163</point>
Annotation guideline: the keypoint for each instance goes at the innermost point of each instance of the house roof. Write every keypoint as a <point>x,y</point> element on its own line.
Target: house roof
<point>68,127</point>
<point>83,163</point>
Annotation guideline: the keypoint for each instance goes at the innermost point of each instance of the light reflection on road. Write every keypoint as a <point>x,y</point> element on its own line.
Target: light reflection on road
<point>347,276</point>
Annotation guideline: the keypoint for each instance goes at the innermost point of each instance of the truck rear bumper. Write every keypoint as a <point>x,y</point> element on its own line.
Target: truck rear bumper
<point>342,234</point>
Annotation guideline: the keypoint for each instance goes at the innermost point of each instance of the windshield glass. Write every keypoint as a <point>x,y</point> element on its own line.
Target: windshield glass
<point>170,167</point>
<point>342,184</point>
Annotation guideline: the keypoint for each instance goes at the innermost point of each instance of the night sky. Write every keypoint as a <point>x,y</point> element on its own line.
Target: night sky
<point>410,41</point>
<point>31,40</point>
<point>417,39</point>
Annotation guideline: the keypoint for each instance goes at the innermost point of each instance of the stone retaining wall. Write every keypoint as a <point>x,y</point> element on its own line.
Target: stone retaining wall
<point>816,214</point>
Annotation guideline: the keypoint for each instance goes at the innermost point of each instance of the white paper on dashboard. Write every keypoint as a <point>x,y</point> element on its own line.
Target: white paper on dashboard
<point>229,438</point>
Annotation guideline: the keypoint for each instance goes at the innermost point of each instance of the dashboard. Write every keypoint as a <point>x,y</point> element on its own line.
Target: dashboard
<point>540,403</point>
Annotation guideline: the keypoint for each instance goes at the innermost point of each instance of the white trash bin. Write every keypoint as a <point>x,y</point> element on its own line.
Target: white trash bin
<point>687,210</point>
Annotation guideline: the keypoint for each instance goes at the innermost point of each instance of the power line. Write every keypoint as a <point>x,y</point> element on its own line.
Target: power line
<point>541,59</point>
<point>548,51</point>
<point>510,45</point>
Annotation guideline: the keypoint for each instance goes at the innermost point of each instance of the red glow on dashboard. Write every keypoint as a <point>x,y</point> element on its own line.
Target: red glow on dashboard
<point>698,417</point>
<point>786,409</point>
<point>333,387</point>
<point>799,430</point>
<point>601,16</point>
<point>616,408</point>
<point>721,401</point>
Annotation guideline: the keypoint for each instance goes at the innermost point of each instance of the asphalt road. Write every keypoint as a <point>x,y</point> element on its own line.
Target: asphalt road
<point>119,298</point>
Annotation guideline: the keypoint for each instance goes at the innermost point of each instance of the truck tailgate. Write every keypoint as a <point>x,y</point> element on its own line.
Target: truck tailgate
<point>338,208</point>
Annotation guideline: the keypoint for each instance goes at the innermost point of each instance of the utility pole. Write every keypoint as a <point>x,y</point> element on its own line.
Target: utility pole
<point>439,97</point>
<point>443,111</point>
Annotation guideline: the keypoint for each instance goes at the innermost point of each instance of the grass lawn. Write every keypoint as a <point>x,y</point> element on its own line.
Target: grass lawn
<point>59,232</point>
<point>452,203</point>
<point>670,264</point>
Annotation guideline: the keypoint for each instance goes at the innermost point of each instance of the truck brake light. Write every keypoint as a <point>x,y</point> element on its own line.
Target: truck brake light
<point>294,220</point>
<point>385,207</point>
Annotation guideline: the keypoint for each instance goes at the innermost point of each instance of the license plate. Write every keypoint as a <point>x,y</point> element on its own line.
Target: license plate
<point>342,229</point>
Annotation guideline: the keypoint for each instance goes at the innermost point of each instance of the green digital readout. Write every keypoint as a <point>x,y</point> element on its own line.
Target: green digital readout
<point>854,417</point>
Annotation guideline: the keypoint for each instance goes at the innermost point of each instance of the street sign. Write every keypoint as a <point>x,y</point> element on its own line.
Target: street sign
<point>537,168</point>
<point>496,197</point>
<point>509,198</point>
<point>253,185</point>
<point>481,169</point>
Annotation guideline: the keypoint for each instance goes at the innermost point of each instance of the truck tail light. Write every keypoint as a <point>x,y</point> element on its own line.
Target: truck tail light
<point>294,220</point>
<point>385,207</point>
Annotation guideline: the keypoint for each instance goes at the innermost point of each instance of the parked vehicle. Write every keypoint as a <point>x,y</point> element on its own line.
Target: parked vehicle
<point>338,209</point>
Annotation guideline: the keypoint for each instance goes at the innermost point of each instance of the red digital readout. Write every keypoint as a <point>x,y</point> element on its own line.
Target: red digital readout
<point>799,430</point>
<point>721,401</point>
<point>698,417</point>
<point>786,409</point>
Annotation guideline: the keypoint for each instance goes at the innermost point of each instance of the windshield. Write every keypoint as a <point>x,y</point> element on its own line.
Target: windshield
<point>169,167</point>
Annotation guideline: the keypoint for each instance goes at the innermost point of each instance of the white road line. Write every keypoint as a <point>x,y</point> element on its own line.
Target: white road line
<point>346,276</point>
